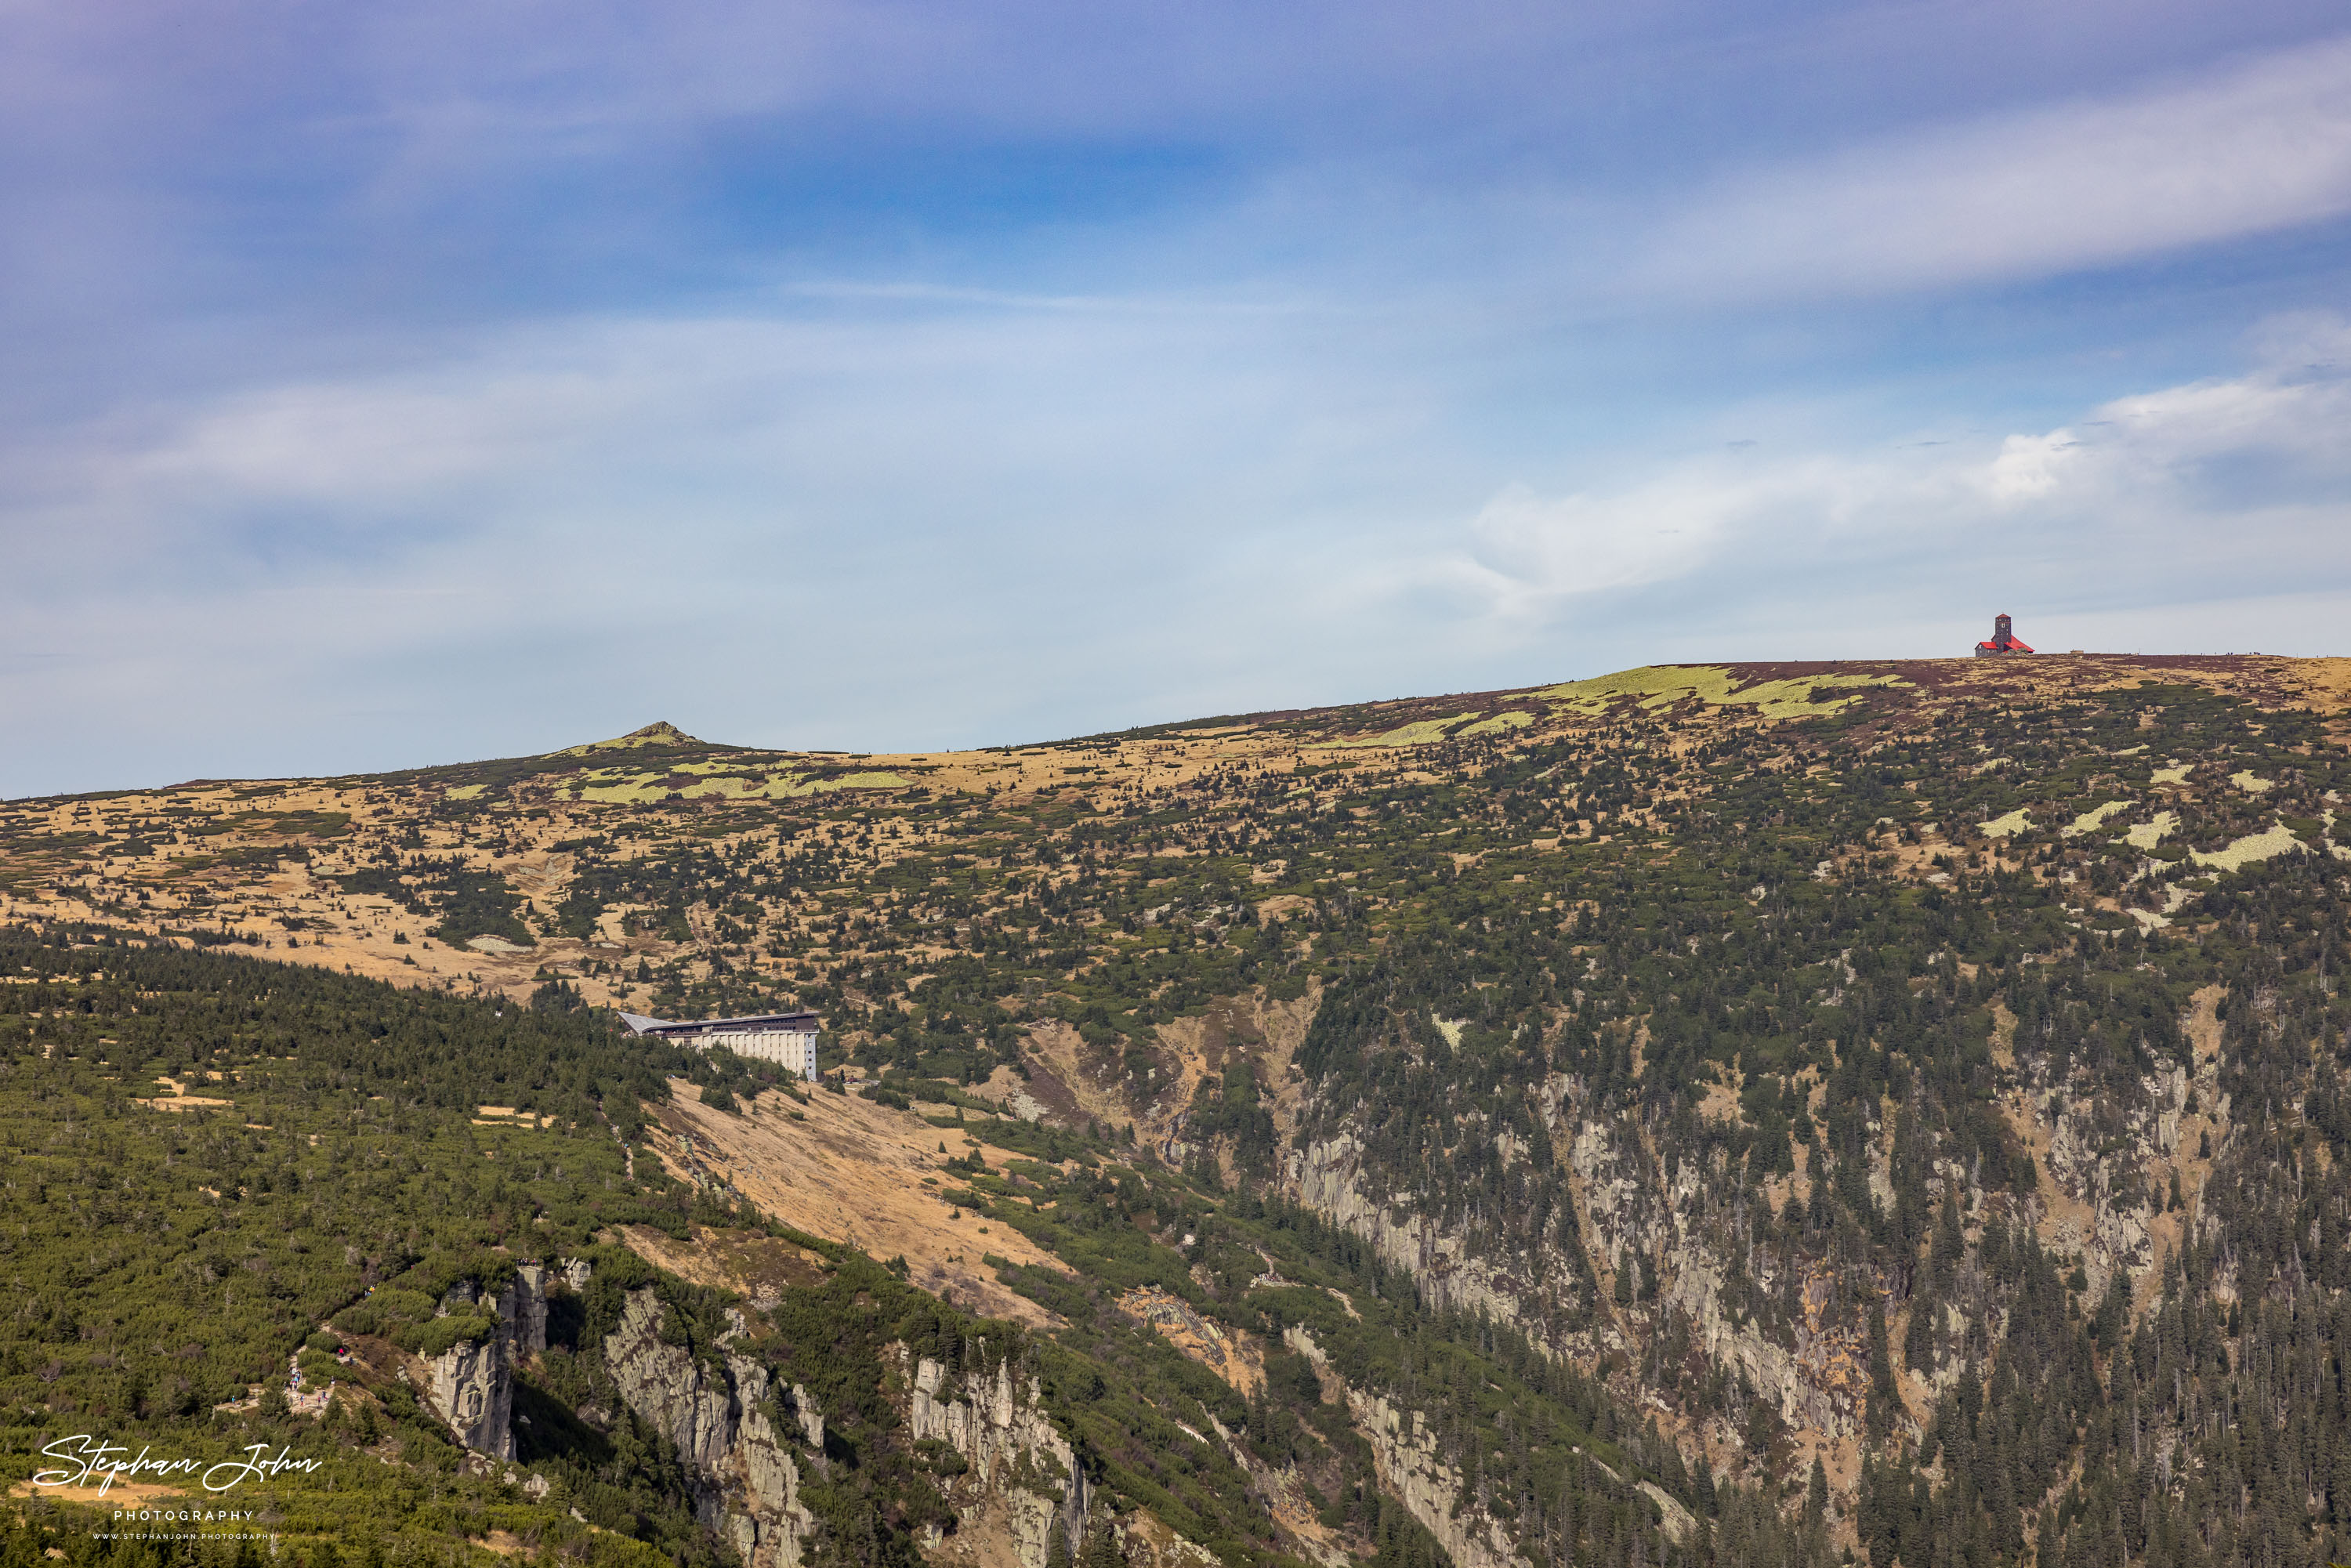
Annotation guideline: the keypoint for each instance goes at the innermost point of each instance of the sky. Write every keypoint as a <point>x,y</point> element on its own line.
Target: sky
<point>423,382</point>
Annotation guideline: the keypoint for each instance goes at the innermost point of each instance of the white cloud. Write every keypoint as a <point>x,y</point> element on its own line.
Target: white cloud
<point>893,528</point>
<point>939,527</point>
<point>2205,489</point>
<point>2030,466</point>
<point>1527,551</point>
<point>2259,147</point>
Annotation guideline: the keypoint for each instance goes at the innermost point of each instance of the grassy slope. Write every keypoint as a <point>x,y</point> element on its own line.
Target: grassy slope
<point>1120,886</point>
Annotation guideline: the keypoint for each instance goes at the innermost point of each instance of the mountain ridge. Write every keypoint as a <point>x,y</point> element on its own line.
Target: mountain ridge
<point>2324,679</point>
<point>1930,1072</point>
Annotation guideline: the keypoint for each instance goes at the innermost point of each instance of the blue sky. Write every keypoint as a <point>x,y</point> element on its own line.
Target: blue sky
<point>423,382</point>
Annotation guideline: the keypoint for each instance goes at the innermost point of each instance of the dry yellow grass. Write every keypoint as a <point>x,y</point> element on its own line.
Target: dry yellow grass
<point>378,938</point>
<point>1660,686</point>
<point>854,1171</point>
<point>2242,853</point>
<point>116,1494</point>
<point>2095,818</point>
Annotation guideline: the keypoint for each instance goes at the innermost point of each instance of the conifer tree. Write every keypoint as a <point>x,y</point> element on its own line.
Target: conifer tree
<point>1102,1548</point>
<point>1884,1401</point>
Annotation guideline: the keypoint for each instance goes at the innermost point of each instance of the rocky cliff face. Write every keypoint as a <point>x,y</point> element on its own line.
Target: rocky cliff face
<point>1329,1176</point>
<point>2106,1208</point>
<point>742,1436</point>
<point>1412,1469</point>
<point>722,1419</point>
<point>1676,1276</point>
<point>522,1306</point>
<point>1022,1485</point>
<point>1634,1215</point>
<point>471,1384</point>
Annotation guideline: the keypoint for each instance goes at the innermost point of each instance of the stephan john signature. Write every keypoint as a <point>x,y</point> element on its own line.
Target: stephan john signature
<point>94,1463</point>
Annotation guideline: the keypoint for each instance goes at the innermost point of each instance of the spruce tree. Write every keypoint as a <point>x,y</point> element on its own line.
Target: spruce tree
<point>1884,1399</point>
<point>1102,1548</point>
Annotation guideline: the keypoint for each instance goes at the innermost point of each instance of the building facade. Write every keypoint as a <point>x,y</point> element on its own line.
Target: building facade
<point>2004,640</point>
<point>787,1040</point>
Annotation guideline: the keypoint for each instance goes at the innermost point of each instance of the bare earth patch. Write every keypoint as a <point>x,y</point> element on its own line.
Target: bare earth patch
<point>1229,1355</point>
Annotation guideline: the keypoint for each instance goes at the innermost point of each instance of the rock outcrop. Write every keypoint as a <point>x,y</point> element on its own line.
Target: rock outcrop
<point>1327,1176</point>
<point>1021,1481</point>
<point>1411,1468</point>
<point>522,1306</point>
<point>1669,1244</point>
<point>1413,1471</point>
<point>719,1416</point>
<point>1631,1214</point>
<point>1021,1485</point>
<point>471,1386</point>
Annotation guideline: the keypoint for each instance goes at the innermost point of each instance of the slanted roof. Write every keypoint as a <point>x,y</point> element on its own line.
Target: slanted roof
<point>802,1022</point>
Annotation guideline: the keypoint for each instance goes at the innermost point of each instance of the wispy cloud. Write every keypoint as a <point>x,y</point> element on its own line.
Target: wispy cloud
<point>2206,489</point>
<point>879,530</point>
<point>2258,147</point>
<point>901,373</point>
<point>889,533</point>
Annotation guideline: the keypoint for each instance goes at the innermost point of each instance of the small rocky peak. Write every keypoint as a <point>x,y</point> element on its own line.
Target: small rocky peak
<point>661,732</point>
